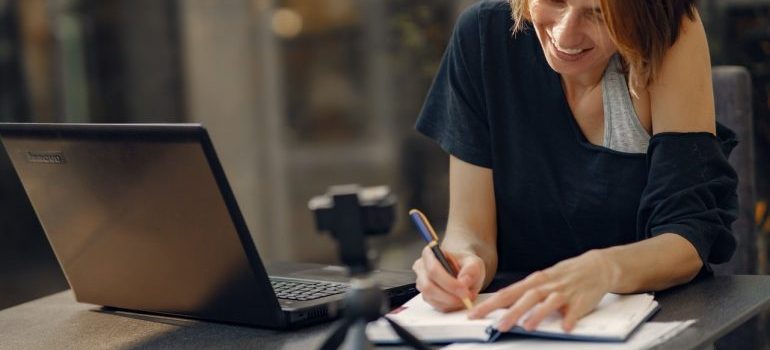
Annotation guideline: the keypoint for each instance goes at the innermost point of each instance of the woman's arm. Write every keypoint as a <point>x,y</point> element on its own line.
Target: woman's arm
<point>470,240</point>
<point>681,100</point>
<point>682,95</point>
<point>472,224</point>
<point>653,264</point>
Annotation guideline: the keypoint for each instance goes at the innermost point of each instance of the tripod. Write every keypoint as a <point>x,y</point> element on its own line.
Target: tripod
<point>350,213</point>
<point>365,302</point>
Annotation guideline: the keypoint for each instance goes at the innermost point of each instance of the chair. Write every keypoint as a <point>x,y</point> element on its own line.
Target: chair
<point>732,99</point>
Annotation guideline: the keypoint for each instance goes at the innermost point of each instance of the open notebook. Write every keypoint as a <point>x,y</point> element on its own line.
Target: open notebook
<point>613,320</point>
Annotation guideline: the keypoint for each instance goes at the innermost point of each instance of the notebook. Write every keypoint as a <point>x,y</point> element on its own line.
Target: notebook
<point>142,218</point>
<point>649,335</point>
<point>614,320</point>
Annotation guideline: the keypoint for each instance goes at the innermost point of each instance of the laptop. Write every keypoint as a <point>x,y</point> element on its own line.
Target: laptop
<point>142,218</point>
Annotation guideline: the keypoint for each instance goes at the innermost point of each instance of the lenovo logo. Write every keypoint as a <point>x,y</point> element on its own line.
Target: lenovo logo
<point>46,157</point>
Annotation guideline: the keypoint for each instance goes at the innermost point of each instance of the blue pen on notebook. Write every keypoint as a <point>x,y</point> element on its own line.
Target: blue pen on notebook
<point>430,236</point>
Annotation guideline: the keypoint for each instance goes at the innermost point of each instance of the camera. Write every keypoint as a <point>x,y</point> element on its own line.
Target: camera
<point>376,206</point>
<point>351,213</point>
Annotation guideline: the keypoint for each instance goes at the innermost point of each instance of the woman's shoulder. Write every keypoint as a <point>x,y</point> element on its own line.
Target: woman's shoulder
<point>681,94</point>
<point>487,25</point>
<point>490,7</point>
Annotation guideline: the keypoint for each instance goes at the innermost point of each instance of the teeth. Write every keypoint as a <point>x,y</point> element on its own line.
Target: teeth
<point>565,50</point>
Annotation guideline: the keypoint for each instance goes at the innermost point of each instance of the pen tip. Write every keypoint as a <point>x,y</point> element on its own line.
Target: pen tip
<point>468,303</point>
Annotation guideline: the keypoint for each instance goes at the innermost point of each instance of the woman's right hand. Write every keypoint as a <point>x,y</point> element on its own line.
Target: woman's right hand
<point>439,288</point>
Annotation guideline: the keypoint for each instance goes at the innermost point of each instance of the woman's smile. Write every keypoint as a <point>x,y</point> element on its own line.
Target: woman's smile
<point>568,54</point>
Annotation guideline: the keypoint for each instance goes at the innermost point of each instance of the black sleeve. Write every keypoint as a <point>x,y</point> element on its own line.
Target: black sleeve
<point>691,191</point>
<point>454,114</point>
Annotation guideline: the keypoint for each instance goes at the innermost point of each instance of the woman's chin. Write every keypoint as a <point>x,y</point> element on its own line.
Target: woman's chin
<point>563,68</point>
<point>585,65</point>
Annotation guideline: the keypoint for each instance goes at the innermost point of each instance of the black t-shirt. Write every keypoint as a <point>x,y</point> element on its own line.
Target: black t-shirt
<point>496,103</point>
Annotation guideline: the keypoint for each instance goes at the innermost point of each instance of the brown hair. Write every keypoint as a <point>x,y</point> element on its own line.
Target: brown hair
<point>642,29</point>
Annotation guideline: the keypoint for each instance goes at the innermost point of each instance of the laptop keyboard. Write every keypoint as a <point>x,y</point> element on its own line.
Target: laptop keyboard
<point>306,290</point>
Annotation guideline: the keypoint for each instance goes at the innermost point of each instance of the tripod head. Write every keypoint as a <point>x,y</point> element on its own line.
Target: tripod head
<point>351,213</point>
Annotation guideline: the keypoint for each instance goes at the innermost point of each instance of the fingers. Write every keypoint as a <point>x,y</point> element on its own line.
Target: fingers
<point>471,274</point>
<point>571,287</point>
<point>438,287</point>
<point>433,294</point>
<point>570,320</point>
<point>508,295</point>
<point>501,299</point>
<point>440,276</point>
<point>552,303</point>
<point>573,314</point>
<point>527,301</point>
<point>452,261</point>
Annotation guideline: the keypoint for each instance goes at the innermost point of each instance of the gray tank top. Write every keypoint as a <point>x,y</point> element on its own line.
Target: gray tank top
<point>622,130</point>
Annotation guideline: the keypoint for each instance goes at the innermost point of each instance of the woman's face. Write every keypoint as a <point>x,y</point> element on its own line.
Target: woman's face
<point>573,35</point>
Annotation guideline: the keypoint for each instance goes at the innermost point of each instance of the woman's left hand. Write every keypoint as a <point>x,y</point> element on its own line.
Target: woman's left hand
<point>572,287</point>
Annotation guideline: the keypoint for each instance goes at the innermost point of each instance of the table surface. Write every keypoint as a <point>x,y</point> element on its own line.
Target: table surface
<point>720,304</point>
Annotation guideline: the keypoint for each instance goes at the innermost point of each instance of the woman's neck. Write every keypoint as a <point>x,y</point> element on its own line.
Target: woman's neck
<point>575,87</point>
<point>584,96</point>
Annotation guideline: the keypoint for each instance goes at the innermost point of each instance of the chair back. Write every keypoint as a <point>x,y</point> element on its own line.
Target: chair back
<point>732,99</point>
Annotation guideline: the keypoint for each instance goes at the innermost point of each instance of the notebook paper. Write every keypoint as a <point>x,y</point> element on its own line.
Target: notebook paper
<point>614,319</point>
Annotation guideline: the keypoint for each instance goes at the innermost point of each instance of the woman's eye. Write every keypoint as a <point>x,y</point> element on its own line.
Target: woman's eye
<point>595,16</point>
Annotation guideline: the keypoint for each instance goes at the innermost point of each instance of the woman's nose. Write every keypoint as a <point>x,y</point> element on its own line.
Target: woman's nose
<point>566,31</point>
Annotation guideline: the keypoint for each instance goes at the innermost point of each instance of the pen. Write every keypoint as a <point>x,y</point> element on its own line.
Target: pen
<point>430,236</point>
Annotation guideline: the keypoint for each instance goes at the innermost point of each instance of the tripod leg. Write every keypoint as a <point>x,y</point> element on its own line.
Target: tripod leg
<point>338,335</point>
<point>357,339</point>
<point>407,337</point>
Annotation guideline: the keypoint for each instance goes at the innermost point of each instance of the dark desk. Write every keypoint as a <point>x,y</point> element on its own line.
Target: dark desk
<point>57,322</point>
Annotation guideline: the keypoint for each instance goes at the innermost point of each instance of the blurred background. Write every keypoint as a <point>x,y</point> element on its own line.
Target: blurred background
<point>297,95</point>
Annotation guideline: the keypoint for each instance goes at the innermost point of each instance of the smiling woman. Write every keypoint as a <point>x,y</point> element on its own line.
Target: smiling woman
<point>585,154</point>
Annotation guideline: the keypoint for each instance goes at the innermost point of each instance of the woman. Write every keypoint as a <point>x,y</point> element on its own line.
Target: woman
<point>583,151</point>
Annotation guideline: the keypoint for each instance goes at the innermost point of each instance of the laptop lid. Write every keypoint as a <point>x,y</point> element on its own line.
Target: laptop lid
<point>28,268</point>
<point>141,217</point>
